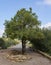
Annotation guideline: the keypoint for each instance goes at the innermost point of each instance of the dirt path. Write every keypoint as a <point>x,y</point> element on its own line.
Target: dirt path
<point>37,59</point>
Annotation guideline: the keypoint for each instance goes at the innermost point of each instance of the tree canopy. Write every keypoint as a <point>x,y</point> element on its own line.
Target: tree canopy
<point>24,25</point>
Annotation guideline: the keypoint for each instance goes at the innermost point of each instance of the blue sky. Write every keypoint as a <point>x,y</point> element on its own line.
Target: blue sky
<point>8,9</point>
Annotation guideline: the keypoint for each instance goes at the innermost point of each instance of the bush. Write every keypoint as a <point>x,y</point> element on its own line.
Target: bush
<point>2,44</point>
<point>9,42</point>
<point>49,46</point>
<point>39,45</point>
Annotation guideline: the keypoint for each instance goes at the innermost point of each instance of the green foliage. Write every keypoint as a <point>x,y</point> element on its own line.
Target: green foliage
<point>2,44</point>
<point>47,40</point>
<point>39,45</point>
<point>9,42</point>
<point>43,44</point>
<point>21,24</point>
<point>5,43</point>
<point>24,25</point>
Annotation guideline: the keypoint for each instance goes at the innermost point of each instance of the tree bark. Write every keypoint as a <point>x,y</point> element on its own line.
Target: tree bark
<point>23,46</point>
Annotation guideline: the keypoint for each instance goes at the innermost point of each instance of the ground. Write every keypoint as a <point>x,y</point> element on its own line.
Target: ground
<point>37,59</point>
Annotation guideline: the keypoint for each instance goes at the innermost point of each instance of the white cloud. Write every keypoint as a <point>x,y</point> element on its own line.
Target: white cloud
<point>46,25</point>
<point>1,32</point>
<point>44,2</point>
<point>48,2</point>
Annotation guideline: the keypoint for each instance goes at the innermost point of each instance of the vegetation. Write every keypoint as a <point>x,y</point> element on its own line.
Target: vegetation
<point>2,44</point>
<point>45,43</point>
<point>7,42</point>
<point>25,26</point>
<point>47,40</point>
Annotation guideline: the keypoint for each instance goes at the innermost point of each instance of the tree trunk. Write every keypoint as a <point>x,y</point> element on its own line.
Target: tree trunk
<point>23,46</point>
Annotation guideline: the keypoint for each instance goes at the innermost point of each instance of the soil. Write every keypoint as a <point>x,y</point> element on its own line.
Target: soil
<point>37,59</point>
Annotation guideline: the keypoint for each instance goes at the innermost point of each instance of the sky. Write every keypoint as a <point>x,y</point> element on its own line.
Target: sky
<point>8,9</point>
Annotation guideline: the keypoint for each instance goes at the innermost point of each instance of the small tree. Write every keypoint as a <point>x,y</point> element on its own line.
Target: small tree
<point>23,26</point>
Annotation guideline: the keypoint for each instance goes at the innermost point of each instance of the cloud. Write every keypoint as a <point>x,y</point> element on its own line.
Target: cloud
<point>48,2</point>
<point>44,2</point>
<point>1,32</point>
<point>46,25</point>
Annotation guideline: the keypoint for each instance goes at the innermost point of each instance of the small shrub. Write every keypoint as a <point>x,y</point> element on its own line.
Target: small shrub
<point>39,45</point>
<point>9,42</point>
<point>2,44</point>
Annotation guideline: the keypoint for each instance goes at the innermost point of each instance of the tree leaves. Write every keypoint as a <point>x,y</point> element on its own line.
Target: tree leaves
<point>24,23</point>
